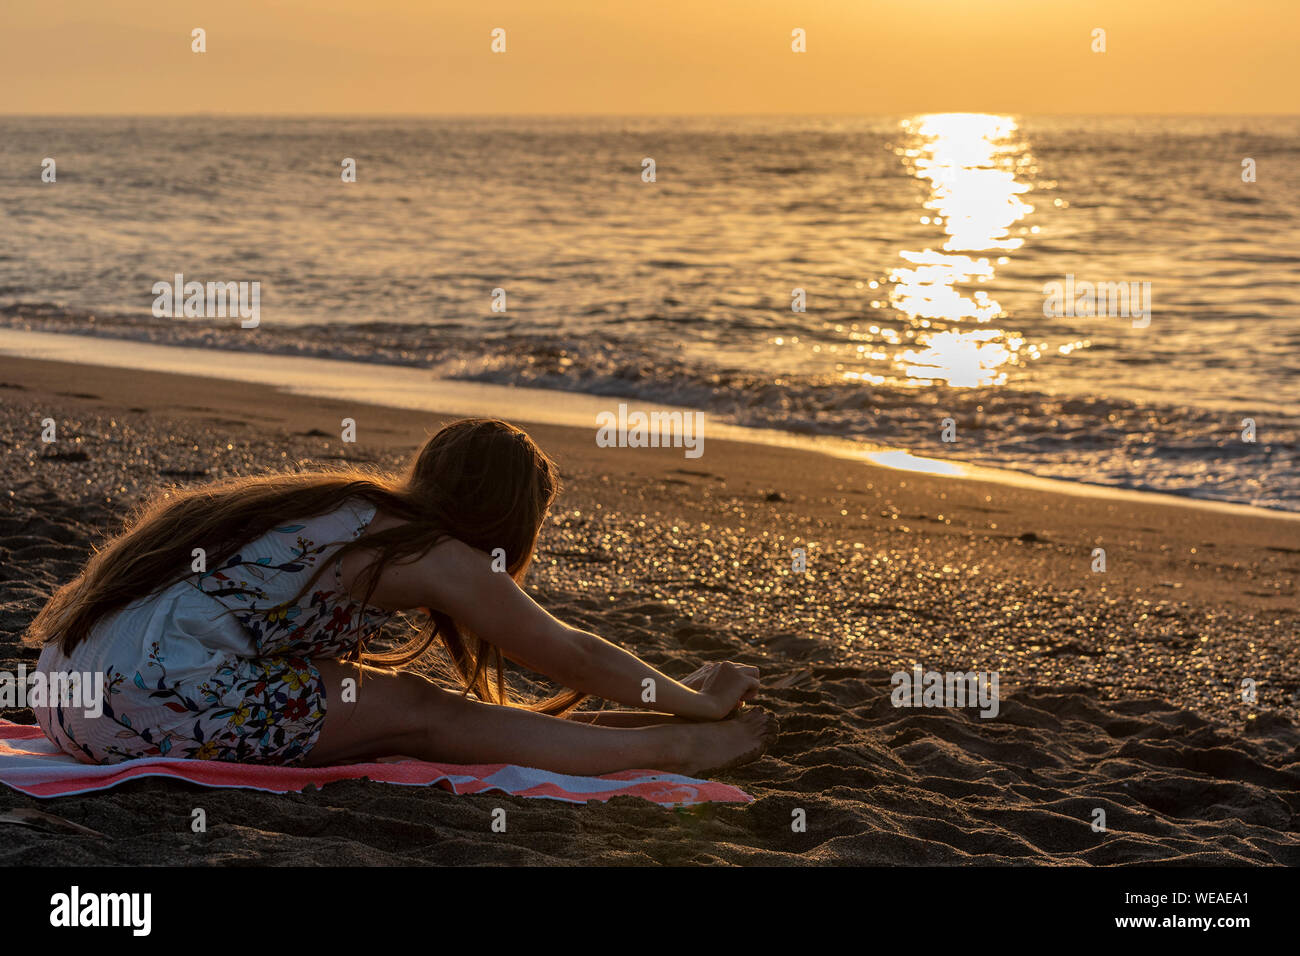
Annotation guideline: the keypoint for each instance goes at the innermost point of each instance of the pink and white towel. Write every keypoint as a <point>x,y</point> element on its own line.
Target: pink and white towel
<point>33,765</point>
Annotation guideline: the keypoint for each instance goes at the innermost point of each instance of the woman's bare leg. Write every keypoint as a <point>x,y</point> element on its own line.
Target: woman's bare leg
<point>399,712</point>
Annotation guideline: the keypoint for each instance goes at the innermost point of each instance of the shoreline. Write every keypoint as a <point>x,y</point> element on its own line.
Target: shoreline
<point>415,388</point>
<point>1159,552</point>
<point>1119,690</point>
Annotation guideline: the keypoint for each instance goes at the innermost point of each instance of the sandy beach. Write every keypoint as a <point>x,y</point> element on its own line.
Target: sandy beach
<point>1120,690</point>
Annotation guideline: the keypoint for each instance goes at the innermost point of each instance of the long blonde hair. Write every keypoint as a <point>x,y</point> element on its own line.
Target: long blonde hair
<point>480,481</point>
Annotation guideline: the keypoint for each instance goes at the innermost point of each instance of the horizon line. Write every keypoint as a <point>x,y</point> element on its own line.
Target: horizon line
<point>611,114</point>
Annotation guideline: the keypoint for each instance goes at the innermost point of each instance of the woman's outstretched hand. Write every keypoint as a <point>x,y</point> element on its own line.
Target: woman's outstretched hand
<point>725,684</point>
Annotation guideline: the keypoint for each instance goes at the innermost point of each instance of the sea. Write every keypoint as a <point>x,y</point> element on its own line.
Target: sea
<point>913,282</point>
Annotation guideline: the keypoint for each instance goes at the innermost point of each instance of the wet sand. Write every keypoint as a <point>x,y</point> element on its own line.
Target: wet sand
<point>1120,690</point>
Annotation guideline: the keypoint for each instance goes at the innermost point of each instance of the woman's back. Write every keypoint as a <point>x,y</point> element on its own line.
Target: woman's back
<point>213,637</point>
<point>258,585</point>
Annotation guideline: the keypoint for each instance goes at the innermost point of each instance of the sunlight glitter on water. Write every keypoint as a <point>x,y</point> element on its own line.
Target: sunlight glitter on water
<point>970,162</point>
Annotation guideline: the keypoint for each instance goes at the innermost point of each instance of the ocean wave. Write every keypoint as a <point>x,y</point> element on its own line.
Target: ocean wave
<point>1104,440</point>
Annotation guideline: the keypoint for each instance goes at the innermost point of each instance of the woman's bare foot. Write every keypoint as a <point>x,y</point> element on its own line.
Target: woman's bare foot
<point>722,744</point>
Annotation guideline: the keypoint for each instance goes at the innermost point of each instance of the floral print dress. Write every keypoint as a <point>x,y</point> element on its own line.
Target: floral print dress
<point>219,665</point>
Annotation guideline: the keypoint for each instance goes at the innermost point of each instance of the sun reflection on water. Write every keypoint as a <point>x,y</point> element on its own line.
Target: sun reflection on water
<point>971,162</point>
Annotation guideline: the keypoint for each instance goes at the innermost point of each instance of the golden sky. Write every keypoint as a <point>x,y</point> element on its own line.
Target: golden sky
<point>654,56</point>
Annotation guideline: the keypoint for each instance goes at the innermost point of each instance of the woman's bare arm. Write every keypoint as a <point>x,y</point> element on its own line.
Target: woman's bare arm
<point>459,581</point>
<point>622,718</point>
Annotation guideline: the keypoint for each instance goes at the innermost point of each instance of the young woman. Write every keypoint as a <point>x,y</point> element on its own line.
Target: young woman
<point>230,622</point>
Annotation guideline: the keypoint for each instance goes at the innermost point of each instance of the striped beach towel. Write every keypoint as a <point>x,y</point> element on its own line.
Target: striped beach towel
<point>33,765</point>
